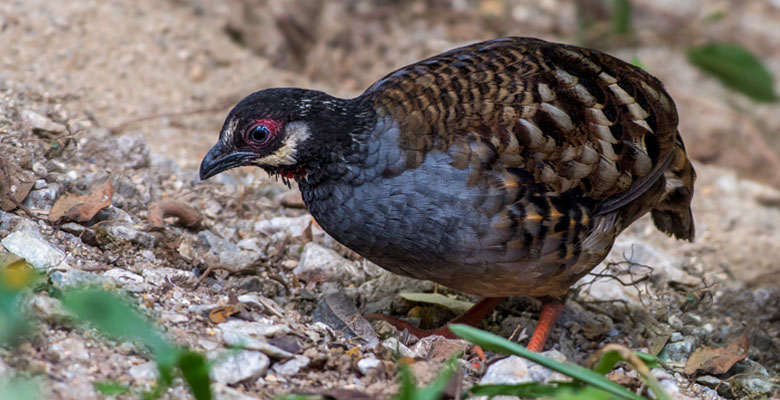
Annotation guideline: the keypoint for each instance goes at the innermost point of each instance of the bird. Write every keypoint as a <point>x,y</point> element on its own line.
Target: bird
<point>499,168</point>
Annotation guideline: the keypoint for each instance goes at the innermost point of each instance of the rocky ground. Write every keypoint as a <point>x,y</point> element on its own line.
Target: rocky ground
<point>133,93</point>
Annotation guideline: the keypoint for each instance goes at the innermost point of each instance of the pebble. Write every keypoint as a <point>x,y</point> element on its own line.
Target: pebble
<point>128,232</point>
<point>239,365</point>
<point>123,276</point>
<point>40,123</point>
<point>33,247</point>
<point>223,392</point>
<point>367,365</point>
<point>339,312</point>
<point>320,264</point>
<point>5,370</point>
<point>145,372</point>
<point>292,227</point>
<point>252,329</point>
<point>44,198</point>
<point>161,276</point>
<point>679,351</point>
<point>292,366</point>
<point>514,369</point>
<point>71,349</point>
<point>227,252</point>
<point>397,347</point>
<point>246,342</point>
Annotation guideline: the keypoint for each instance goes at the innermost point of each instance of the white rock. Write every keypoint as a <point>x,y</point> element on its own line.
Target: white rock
<point>5,370</point>
<point>293,227</point>
<point>252,329</point>
<point>123,276</point>
<point>239,366</point>
<point>145,372</point>
<point>395,346</point>
<point>31,245</point>
<point>292,366</point>
<point>246,342</point>
<point>366,365</point>
<point>223,392</point>
<point>39,122</point>
<point>320,264</point>
<point>514,369</point>
<point>71,349</point>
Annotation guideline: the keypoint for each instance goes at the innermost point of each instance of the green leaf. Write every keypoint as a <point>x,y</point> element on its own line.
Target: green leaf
<point>489,341</point>
<point>115,317</point>
<point>737,68</point>
<point>532,390</point>
<point>111,388</point>
<point>607,362</point>
<point>458,306</point>
<point>650,360</point>
<point>20,389</point>
<point>621,16</point>
<point>196,372</point>
<point>585,393</point>
<point>409,391</point>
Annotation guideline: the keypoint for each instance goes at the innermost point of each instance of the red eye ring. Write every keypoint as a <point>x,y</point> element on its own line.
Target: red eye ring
<point>261,132</point>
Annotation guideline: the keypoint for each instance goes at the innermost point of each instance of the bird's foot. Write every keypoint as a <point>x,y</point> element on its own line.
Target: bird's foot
<point>547,318</point>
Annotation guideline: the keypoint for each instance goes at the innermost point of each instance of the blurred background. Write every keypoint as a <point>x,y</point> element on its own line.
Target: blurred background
<point>171,69</point>
<point>84,82</point>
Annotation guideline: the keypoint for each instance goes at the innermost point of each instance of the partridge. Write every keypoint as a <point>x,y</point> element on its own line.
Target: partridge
<point>506,167</point>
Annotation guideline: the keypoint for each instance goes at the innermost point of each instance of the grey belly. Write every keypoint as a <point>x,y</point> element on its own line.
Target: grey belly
<point>426,223</point>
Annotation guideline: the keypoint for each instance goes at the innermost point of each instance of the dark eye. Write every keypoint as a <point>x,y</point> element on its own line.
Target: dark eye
<point>259,134</point>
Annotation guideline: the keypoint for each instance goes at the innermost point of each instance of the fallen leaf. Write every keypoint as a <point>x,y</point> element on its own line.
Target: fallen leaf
<point>82,207</point>
<point>458,306</point>
<point>222,313</point>
<point>718,360</point>
<point>15,184</point>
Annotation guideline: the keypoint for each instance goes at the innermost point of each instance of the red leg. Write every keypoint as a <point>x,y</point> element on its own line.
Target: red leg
<point>470,317</point>
<point>547,319</point>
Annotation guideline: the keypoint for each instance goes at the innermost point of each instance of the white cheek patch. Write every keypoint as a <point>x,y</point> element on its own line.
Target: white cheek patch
<point>227,134</point>
<point>294,134</point>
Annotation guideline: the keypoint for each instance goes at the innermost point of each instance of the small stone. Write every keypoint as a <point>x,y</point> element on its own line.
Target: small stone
<point>123,276</point>
<point>514,369</point>
<point>320,264</point>
<point>678,352</point>
<point>240,366</point>
<point>250,343</point>
<point>144,373</point>
<point>43,199</point>
<point>367,365</point>
<point>675,322</point>
<point>339,312</point>
<point>292,366</point>
<point>127,232</point>
<point>752,386</point>
<point>38,122</point>
<point>395,346</point>
<point>292,227</point>
<point>71,349</point>
<point>223,392</point>
<point>5,370</point>
<point>438,347</point>
<point>252,329</point>
<point>40,170</point>
<point>161,276</point>
<point>36,250</point>
<point>676,337</point>
<point>49,308</point>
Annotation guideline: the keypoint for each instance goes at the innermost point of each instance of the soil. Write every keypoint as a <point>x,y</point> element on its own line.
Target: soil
<point>136,92</point>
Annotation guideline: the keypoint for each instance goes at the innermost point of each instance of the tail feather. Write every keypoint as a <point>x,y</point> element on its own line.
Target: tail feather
<point>672,214</point>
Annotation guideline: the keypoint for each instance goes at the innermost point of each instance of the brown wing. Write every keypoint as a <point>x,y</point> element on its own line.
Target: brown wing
<point>576,119</point>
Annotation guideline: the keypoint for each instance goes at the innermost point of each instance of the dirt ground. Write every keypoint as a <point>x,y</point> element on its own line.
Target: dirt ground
<point>136,91</point>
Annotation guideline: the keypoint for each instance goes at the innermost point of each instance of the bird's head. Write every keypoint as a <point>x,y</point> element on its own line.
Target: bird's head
<point>285,131</point>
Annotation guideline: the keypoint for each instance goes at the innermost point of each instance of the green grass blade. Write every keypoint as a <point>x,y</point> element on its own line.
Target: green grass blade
<point>737,68</point>
<point>489,341</point>
<point>607,362</point>
<point>196,372</point>
<point>525,390</point>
